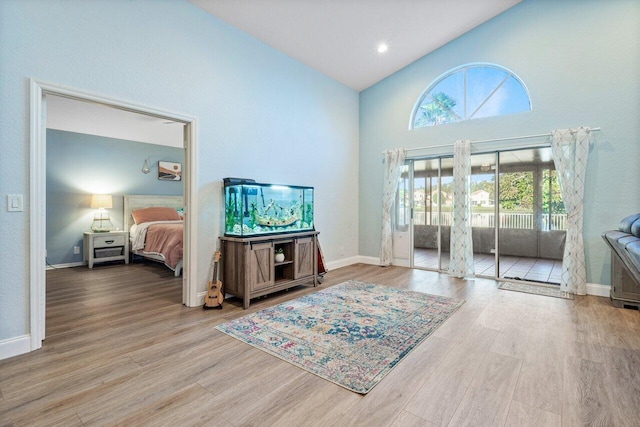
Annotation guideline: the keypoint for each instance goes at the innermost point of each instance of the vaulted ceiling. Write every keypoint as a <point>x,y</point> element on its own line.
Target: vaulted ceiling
<point>340,38</point>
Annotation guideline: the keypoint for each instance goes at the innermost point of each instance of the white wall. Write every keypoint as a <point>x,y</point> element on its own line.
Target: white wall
<point>261,114</point>
<point>580,60</point>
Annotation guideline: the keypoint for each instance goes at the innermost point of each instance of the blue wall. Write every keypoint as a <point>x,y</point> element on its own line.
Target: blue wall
<point>260,114</point>
<point>80,165</point>
<point>580,60</point>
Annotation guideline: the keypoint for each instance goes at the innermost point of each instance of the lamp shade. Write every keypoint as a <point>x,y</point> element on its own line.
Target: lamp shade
<point>101,201</point>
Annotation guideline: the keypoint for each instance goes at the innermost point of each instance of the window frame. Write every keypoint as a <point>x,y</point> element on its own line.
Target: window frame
<point>457,69</point>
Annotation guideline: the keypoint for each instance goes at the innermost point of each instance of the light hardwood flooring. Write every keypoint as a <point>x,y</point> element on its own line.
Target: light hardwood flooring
<point>122,350</point>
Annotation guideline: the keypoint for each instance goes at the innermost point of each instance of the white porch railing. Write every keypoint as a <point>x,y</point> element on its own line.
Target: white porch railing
<point>487,219</point>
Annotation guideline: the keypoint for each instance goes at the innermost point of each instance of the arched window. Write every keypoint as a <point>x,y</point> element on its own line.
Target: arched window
<point>470,92</point>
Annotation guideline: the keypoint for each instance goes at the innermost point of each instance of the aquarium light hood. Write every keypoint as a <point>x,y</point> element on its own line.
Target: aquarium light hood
<point>235,181</point>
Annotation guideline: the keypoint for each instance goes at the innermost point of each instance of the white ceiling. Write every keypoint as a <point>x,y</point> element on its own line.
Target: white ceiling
<point>339,38</point>
<point>95,119</point>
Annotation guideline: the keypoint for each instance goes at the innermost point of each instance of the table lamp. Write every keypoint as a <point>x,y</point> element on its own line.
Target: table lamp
<point>101,220</point>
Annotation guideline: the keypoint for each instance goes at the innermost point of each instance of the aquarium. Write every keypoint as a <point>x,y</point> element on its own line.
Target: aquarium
<point>254,209</point>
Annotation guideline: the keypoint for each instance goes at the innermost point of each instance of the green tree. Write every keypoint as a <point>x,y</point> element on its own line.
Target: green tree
<point>516,191</point>
<point>551,193</point>
<point>438,111</point>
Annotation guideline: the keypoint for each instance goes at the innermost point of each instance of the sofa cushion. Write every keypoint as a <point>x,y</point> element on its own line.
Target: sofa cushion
<point>623,242</point>
<point>618,240</point>
<point>635,228</point>
<point>633,250</point>
<point>613,236</point>
<point>627,223</point>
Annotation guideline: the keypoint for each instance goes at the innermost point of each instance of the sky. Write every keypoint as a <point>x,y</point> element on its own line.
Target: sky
<point>481,82</point>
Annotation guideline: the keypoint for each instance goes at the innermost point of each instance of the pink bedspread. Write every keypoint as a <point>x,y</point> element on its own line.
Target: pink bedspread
<point>167,240</point>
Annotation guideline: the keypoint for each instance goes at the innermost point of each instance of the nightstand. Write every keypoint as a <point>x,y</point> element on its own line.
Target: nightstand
<point>107,246</point>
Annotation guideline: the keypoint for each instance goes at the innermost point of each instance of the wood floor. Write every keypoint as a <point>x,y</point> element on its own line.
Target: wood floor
<point>122,350</point>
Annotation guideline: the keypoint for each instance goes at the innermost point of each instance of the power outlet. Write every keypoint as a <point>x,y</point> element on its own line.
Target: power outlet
<point>76,250</point>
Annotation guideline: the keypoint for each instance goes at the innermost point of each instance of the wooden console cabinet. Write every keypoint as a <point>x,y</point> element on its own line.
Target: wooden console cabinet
<point>249,269</point>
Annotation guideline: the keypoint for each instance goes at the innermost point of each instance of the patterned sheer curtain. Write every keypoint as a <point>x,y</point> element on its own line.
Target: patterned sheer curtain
<point>570,148</point>
<point>461,252</point>
<point>393,161</point>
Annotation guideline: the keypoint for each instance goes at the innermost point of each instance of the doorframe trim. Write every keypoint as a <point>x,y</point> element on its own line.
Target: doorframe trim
<point>37,194</point>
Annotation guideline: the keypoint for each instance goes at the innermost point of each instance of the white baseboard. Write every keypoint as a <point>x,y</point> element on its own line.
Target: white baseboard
<point>15,346</point>
<point>200,296</point>
<point>372,260</point>
<point>332,265</point>
<point>361,259</point>
<point>401,262</point>
<point>67,265</point>
<point>598,289</point>
<point>352,260</point>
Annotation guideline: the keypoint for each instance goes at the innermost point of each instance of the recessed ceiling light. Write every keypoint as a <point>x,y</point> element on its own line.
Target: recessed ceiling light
<point>382,47</point>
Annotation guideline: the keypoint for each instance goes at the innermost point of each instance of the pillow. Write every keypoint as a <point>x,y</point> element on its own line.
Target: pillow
<point>155,214</point>
<point>635,228</point>
<point>626,223</point>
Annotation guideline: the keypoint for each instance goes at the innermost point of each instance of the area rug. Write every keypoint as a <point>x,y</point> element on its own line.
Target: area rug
<point>352,334</point>
<point>545,290</point>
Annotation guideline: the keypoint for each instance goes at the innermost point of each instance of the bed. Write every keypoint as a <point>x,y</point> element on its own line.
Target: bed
<point>156,228</point>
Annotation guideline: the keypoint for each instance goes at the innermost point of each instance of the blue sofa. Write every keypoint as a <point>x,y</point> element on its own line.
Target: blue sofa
<point>625,262</point>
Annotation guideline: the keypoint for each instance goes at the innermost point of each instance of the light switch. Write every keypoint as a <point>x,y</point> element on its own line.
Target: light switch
<point>14,203</point>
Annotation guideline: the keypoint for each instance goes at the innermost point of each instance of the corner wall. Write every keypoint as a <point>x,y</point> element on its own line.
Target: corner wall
<point>260,114</point>
<point>580,61</point>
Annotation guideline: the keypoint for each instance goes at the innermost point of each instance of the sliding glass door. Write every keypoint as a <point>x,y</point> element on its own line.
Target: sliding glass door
<point>483,213</point>
<point>425,214</point>
<point>517,215</point>
<point>532,217</point>
<point>432,201</point>
<point>444,197</point>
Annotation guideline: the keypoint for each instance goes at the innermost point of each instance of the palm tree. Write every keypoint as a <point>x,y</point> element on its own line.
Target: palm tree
<point>438,111</point>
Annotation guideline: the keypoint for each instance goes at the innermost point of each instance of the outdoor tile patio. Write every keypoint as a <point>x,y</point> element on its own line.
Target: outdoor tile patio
<point>533,269</point>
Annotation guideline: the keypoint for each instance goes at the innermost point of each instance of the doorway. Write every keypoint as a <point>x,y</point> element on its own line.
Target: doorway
<point>532,217</point>
<point>517,215</point>
<point>39,92</point>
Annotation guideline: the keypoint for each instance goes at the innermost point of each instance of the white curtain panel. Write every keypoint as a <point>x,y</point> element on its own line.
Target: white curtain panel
<point>570,148</point>
<point>393,161</point>
<point>461,251</point>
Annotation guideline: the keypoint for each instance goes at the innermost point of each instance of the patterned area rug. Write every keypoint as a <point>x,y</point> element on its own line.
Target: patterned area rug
<point>352,334</point>
<point>546,290</point>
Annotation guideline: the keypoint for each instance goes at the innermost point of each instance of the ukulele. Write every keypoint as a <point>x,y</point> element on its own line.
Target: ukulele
<point>214,297</point>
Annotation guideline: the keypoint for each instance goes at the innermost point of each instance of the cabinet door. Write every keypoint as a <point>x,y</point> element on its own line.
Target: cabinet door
<point>261,266</point>
<point>304,252</point>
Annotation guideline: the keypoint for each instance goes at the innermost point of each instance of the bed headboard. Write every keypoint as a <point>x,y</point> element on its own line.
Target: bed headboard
<point>133,202</point>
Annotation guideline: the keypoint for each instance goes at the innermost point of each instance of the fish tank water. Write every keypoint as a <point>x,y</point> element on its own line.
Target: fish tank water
<point>254,209</point>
